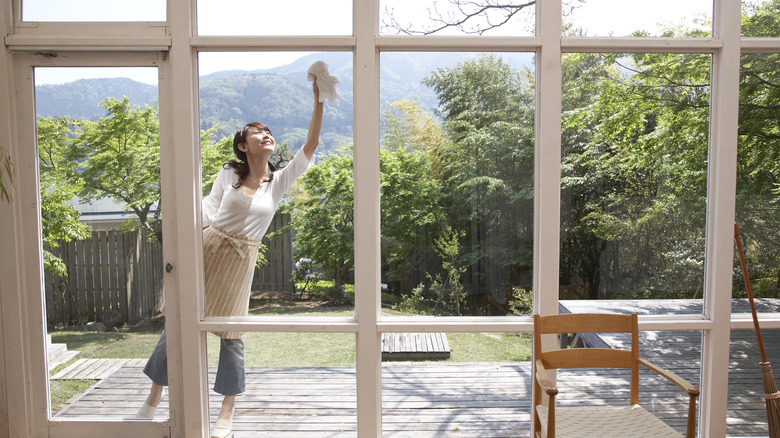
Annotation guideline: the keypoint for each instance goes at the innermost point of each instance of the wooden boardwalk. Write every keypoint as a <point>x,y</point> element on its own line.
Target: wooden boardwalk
<point>419,399</point>
<point>415,346</point>
<point>445,399</point>
<point>95,369</point>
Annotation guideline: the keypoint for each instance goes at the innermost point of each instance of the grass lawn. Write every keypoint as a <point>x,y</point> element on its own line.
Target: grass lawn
<point>271,349</point>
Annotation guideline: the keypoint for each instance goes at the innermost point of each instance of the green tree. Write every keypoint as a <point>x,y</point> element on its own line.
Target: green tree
<point>487,167</point>
<point>322,210</point>
<point>411,195</point>
<point>758,165</point>
<point>408,127</point>
<point>118,157</point>
<point>411,213</point>
<point>581,246</point>
<point>59,219</point>
<point>448,290</point>
<point>634,172</point>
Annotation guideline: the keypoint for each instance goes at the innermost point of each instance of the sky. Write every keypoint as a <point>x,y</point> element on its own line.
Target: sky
<point>332,17</point>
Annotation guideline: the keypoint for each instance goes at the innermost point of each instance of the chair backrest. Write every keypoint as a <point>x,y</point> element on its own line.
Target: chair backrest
<point>589,357</point>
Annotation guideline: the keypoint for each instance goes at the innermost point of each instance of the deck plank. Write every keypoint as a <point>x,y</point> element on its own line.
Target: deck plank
<point>445,399</point>
<point>414,346</point>
<point>420,399</point>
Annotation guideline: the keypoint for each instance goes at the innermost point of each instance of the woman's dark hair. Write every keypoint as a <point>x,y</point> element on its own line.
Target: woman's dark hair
<point>240,166</point>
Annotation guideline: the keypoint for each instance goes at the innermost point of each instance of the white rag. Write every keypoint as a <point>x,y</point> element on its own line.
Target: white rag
<point>327,83</point>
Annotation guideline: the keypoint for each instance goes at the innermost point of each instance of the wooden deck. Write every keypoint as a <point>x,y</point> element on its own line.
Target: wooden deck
<point>420,399</point>
<point>95,369</point>
<point>445,399</point>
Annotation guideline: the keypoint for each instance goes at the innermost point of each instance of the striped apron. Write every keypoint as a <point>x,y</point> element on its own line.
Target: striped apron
<point>229,262</point>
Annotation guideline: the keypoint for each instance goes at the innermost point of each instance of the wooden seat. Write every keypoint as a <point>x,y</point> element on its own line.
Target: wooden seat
<point>631,420</point>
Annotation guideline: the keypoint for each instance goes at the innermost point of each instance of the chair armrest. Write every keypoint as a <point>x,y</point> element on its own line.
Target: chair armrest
<point>544,380</point>
<point>672,377</point>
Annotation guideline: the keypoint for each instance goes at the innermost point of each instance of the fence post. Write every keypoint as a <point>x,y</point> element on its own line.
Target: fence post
<point>89,268</point>
<point>101,271</point>
<point>67,292</point>
<point>129,252</point>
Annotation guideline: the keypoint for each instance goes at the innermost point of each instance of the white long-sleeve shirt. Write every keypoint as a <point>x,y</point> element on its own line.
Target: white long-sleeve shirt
<point>237,213</point>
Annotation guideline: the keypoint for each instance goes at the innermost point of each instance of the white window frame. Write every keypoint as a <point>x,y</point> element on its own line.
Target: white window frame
<point>172,46</point>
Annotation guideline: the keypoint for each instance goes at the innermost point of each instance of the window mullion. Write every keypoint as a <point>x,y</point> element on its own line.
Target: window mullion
<point>547,173</point>
<point>180,167</point>
<point>721,193</point>
<point>367,217</point>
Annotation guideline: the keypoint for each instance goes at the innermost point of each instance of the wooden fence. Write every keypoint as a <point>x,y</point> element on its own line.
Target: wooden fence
<point>110,275</point>
<point>276,275</point>
<point>117,274</point>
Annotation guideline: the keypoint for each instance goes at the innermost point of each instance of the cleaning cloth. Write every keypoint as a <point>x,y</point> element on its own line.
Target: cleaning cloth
<point>327,83</point>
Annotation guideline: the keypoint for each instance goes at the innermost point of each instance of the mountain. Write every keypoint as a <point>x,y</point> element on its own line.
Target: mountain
<point>80,99</point>
<point>280,97</point>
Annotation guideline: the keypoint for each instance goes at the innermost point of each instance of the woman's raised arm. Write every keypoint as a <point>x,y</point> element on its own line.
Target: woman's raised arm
<point>313,138</point>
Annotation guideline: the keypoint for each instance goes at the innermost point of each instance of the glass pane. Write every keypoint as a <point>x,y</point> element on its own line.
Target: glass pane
<point>305,262</point>
<point>457,172</point>
<point>639,18</point>
<point>93,10</point>
<point>675,351</point>
<point>468,384</point>
<point>747,413</point>
<point>760,18</point>
<point>296,384</point>
<point>634,178</point>
<point>266,17</point>
<point>101,235</point>
<point>457,17</point>
<point>758,201</point>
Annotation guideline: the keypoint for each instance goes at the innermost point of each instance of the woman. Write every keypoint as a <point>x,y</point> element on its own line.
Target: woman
<point>238,211</point>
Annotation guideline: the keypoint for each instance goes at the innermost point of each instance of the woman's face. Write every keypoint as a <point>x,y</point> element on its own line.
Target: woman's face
<point>259,141</point>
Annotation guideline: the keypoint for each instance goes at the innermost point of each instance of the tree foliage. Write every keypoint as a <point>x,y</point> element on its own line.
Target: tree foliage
<point>323,204</point>
<point>758,161</point>
<point>322,210</point>
<point>118,157</point>
<point>486,166</point>
<point>634,172</point>
<point>457,187</point>
<point>59,219</point>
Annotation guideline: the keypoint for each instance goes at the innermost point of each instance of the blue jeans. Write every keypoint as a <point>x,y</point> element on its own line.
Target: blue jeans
<point>231,374</point>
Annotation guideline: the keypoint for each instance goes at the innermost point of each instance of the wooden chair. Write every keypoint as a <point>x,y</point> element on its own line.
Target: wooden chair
<point>597,421</point>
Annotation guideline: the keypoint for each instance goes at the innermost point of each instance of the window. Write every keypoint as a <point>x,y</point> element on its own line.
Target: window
<point>93,10</point>
<point>600,18</point>
<point>456,163</point>
<point>101,231</point>
<point>456,17</point>
<point>246,17</point>
<point>760,19</point>
<point>643,160</point>
<point>634,169</point>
